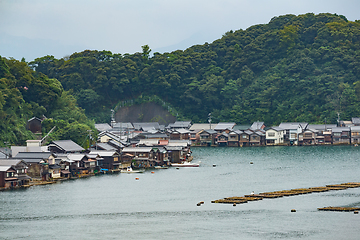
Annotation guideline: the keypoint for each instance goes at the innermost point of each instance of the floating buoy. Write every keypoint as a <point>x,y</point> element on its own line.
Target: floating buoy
<point>177,168</point>
<point>293,210</point>
<point>152,172</point>
<point>137,178</point>
<point>214,165</point>
<point>251,163</point>
<point>199,204</point>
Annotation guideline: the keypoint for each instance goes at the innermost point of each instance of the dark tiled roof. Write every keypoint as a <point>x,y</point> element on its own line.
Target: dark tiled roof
<point>180,124</point>
<point>105,146</point>
<point>139,126</point>
<point>209,131</point>
<point>9,161</point>
<point>123,125</point>
<point>321,126</point>
<point>33,155</point>
<point>340,129</point>
<point>68,146</point>
<point>102,127</point>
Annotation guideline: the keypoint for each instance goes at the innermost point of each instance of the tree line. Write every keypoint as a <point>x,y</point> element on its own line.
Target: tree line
<point>25,93</point>
<point>294,68</point>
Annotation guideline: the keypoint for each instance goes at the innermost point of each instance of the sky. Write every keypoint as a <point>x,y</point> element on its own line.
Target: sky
<point>36,28</point>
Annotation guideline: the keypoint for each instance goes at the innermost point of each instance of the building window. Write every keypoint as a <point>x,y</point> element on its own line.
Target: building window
<point>9,174</point>
<point>271,134</point>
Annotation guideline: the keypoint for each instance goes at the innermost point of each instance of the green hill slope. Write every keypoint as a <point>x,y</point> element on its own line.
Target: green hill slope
<point>25,93</point>
<point>295,68</point>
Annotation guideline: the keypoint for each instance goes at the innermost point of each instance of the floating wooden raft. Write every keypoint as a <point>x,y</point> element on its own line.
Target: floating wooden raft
<point>285,193</point>
<point>339,209</point>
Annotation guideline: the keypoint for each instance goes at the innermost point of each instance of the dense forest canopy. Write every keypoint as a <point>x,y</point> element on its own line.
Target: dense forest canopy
<point>25,93</point>
<point>295,68</point>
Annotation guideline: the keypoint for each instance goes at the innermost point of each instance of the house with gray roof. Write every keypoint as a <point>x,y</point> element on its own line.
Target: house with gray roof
<point>201,126</point>
<point>224,127</point>
<point>292,130</point>
<point>244,138</point>
<point>195,136</point>
<point>104,146</point>
<point>256,138</point>
<point>110,160</point>
<point>275,136</point>
<point>222,139</point>
<point>341,135</point>
<point>234,138</point>
<point>13,173</point>
<point>321,127</point>
<point>123,126</point>
<point>37,163</point>
<point>180,124</point>
<point>208,137</point>
<point>355,134</point>
<point>146,126</point>
<point>65,146</point>
<point>142,157</point>
<point>180,134</point>
<point>102,127</point>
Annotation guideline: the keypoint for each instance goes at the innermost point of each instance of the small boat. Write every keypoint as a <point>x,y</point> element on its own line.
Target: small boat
<point>185,164</point>
<point>161,167</point>
<point>130,170</point>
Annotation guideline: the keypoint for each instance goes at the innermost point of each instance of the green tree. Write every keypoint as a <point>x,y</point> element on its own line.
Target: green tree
<point>146,51</point>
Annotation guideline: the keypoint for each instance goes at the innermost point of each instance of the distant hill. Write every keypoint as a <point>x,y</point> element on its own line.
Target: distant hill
<point>295,68</point>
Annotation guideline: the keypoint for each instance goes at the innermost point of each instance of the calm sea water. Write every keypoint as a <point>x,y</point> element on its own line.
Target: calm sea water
<point>163,205</point>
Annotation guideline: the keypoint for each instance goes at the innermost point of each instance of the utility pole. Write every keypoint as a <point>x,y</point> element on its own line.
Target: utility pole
<point>209,119</point>
<point>112,118</point>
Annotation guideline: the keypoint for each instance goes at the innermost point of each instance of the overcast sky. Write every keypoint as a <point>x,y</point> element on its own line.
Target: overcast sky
<point>36,28</point>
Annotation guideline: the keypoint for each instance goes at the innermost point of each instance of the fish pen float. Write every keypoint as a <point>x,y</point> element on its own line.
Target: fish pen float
<point>287,193</point>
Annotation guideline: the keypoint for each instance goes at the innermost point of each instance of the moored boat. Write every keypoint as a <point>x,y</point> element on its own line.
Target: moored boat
<point>130,170</point>
<point>185,164</point>
<point>161,167</point>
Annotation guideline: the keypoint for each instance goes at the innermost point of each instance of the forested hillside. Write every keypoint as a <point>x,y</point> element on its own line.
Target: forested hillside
<point>295,68</point>
<point>25,93</point>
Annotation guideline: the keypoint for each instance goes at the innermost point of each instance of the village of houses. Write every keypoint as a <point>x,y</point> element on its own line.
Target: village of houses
<point>150,145</point>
